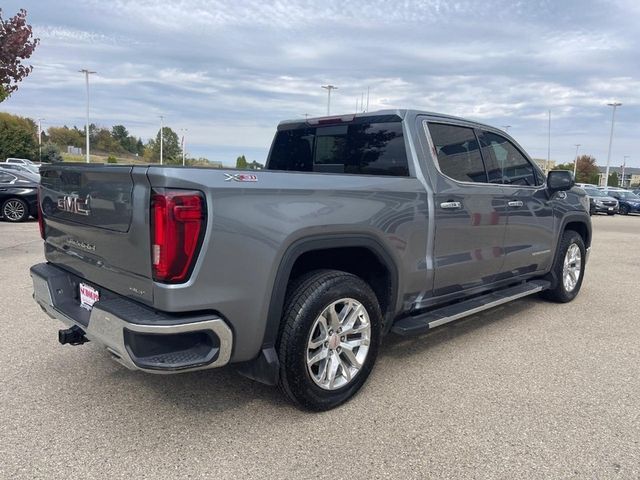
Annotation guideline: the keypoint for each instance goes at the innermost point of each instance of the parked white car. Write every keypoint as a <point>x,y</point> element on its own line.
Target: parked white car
<point>22,161</point>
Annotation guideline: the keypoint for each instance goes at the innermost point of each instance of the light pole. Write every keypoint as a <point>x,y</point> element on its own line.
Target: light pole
<point>40,138</point>
<point>548,143</point>
<point>615,105</point>
<point>184,144</point>
<point>328,88</point>
<point>624,165</point>
<point>161,136</point>
<point>575,162</point>
<point>86,81</point>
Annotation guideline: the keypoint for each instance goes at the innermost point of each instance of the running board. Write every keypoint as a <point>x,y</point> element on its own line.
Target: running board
<point>416,325</point>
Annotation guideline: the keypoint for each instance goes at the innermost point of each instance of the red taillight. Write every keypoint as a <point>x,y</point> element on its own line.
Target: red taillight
<point>40,217</point>
<point>177,226</point>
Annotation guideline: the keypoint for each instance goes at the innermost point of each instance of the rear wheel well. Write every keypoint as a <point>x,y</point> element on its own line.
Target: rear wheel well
<point>359,261</point>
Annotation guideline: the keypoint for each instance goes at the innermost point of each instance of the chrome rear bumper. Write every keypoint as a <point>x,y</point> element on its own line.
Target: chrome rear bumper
<point>136,336</point>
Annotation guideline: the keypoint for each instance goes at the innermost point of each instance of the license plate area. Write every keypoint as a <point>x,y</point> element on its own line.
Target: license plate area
<point>88,296</point>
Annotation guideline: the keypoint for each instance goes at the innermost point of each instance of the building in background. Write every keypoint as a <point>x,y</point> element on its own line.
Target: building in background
<point>542,163</point>
<point>631,176</point>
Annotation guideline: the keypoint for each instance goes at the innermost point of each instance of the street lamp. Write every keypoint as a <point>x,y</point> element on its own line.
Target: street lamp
<point>328,88</point>
<point>40,138</point>
<point>615,105</point>
<point>624,166</point>
<point>86,80</point>
<point>184,144</point>
<point>575,162</point>
<point>161,136</point>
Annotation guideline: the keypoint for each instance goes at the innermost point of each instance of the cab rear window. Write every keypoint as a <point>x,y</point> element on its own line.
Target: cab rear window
<point>374,148</point>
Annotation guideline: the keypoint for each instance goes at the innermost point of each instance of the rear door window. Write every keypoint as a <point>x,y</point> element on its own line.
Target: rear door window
<point>375,148</point>
<point>458,152</point>
<point>505,163</point>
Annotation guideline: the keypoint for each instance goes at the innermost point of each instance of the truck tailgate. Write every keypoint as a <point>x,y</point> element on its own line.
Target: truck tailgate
<point>97,225</point>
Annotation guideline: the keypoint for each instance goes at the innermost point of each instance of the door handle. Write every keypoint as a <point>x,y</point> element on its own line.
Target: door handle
<point>515,203</point>
<point>451,205</point>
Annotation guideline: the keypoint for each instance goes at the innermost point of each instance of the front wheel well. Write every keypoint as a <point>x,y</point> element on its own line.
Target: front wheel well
<point>581,229</point>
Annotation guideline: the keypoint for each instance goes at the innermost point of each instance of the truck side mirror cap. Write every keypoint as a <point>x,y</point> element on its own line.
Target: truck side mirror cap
<point>559,180</point>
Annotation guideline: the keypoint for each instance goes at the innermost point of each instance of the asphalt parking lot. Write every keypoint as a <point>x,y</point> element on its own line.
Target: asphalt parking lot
<point>528,390</point>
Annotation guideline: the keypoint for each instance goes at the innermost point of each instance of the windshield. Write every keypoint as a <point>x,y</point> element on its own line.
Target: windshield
<point>593,192</point>
<point>628,196</point>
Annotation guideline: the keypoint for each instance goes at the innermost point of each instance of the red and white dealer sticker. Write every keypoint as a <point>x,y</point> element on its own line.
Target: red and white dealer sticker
<point>88,296</point>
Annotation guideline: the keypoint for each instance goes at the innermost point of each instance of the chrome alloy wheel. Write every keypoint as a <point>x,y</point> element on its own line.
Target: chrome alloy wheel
<point>338,344</point>
<point>13,210</point>
<point>572,267</point>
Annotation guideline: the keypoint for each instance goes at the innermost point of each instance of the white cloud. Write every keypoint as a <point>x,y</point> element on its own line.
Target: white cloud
<point>229,70</point>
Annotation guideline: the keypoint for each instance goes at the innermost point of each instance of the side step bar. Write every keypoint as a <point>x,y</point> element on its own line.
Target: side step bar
<point>416,325</point>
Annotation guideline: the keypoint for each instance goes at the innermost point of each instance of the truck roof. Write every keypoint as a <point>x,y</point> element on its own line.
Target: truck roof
<point>402,113</point>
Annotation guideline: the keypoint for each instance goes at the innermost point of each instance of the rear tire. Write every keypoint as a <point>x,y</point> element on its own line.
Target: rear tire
<point>329,338</point>
<point>15,210</point>
<point>568,268</point>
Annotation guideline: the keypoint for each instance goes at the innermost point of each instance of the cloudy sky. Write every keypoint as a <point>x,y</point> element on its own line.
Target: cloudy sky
<point>228,71</point>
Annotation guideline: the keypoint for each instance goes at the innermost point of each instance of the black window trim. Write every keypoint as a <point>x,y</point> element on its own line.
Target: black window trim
<point>475,128</point>
<point>391,119</point>
<point>521,152</point>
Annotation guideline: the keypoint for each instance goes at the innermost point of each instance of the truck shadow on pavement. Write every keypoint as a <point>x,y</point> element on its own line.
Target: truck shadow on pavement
<point>401,347</point>
<point>223,389</point>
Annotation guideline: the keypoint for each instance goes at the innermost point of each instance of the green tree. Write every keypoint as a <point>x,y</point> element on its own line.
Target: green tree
<point>119,133</point>
<point>18,137</point>
<point>103,141</point>
<point>16,44</point>
<point>51,153</point>
<point>171,151</point>
<point>564,166</point>
<point>587,169</point>
<point>255,166</point>
<point>241,162</point>
<point>613,180</point>
<point>65,136</point>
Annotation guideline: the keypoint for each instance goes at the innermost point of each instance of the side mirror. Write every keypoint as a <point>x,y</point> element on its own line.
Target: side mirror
<point>559,180</point>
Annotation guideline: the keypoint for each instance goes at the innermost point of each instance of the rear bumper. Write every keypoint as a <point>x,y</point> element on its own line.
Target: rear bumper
<point>136,336</point>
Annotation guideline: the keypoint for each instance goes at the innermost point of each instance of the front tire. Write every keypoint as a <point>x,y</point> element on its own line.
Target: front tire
<point>568,268</point>
<point>329,339</point>
<point>15,210</point>
<point>624,210</point>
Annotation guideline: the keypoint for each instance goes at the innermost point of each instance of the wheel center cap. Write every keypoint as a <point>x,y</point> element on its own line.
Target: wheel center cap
<point>334,341</point>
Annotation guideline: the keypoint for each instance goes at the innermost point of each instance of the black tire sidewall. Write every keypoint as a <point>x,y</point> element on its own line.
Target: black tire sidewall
<point>26,210</point>
<point>559,293</point>
<point>304,307</point>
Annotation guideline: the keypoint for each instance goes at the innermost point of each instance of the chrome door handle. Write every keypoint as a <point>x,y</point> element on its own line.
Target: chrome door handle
<point>515,203</point>
<point>451,205</point>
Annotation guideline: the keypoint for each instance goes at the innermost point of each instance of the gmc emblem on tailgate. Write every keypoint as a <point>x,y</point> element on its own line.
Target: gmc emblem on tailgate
<point>74,204</point>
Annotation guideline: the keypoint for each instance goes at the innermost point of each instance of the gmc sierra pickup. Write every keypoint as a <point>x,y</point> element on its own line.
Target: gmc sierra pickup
<point>360,225</point>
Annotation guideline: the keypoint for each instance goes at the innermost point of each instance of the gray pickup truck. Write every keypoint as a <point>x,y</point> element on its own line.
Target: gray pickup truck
<point>360,225</point>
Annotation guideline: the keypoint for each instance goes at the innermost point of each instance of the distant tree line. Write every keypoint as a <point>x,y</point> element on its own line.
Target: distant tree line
<point>19,138</point>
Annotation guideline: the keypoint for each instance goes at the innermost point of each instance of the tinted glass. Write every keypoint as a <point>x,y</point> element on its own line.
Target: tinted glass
<point>458,152</point>
<point>359,148</point>
<point>592,192</point>
<point>505,163</point>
